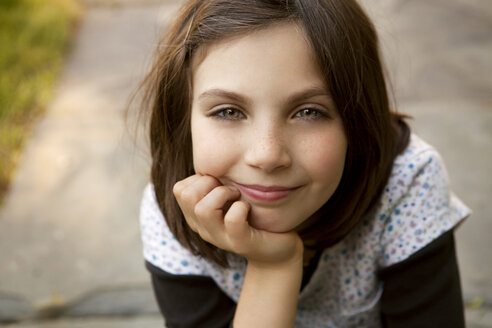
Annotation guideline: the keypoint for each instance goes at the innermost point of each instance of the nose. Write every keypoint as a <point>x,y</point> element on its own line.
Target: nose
<point>268,150</point>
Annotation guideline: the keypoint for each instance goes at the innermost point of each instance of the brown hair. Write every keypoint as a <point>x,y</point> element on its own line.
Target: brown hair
<point>346,47</point>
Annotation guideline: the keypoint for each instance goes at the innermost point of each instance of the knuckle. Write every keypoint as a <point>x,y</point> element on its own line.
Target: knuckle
<point>188,195</point>
<point>192,226</point>
<point>222,190</point>
<point>201,233</point>
<point>177,188</point>
<point>201,210</point>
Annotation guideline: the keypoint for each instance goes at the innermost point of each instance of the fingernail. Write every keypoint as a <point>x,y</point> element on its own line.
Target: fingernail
<point>233,188</point>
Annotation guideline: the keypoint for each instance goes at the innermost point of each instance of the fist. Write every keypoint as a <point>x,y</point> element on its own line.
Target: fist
<point>217,214</point>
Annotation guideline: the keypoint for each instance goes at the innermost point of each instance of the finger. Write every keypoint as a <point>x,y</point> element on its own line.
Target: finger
<point>195,190</point>
<point>191,223</point>
<point>189,194</point>
<point>183,184</point>
<point>209,214</point>
<point>215,201</point>
<point>186,204</point>
<point>236,221</point>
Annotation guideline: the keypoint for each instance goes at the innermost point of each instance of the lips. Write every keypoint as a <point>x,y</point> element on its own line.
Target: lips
<point>265,193</point>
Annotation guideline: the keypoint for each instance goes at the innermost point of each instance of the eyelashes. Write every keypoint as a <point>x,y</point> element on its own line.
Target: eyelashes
<point>228,114</point>
<point>309,113</point>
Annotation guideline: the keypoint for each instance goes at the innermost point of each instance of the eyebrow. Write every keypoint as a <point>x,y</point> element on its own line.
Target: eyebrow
<point>310,92</point>
<point>221,93</point>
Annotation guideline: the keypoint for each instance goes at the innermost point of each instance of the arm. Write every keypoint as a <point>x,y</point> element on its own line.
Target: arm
<point>424,290</point>
<point>189,301</point>
<point>274,272</point>
<point>269,294</point>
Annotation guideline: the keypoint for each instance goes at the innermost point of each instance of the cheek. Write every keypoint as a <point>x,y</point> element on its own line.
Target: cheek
<point>325,158</point>
<point>213,152</point>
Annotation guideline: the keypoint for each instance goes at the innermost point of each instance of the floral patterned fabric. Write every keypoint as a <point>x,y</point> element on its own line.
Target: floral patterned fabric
<point>416,207</point>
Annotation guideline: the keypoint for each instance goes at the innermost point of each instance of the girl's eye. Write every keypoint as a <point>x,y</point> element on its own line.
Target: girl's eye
<point>231,114</point>
<point>310,114</point>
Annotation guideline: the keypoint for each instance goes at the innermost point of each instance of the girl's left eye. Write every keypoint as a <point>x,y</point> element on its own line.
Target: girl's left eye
<point>310,114</point>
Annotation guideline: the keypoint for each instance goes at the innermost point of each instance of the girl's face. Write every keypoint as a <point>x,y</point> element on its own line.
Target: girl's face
<point>263,121</point>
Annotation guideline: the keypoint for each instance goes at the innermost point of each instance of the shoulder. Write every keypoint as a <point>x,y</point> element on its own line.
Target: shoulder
<point>417,205</point>
<point>160,247</point>
<point>418,174</point>
<point>415,157</point>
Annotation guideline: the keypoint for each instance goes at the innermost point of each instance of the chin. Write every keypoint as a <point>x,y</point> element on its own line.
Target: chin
<point>265,222</point>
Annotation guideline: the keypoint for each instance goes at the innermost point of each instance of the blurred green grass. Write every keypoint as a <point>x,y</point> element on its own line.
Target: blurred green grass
<point>34,37</point>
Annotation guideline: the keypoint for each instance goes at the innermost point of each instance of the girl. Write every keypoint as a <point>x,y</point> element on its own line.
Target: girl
<point>284,192</point>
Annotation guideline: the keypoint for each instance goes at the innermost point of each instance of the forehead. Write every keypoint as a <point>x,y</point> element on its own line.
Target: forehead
<point>280,50</point>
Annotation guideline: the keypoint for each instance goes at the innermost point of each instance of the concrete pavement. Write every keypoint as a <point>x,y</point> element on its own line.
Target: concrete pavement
<point>69,235</point>
<point>439,58</point>
<point>438,54</point>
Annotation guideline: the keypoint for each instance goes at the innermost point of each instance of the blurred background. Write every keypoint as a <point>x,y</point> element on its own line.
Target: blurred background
<point>72,169</point>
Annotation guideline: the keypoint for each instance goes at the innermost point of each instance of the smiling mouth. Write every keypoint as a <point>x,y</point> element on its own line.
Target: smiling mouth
<point>265,193</point>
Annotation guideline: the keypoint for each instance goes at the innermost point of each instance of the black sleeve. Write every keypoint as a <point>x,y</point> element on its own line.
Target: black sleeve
<point>191,301</point>
<point>424,290</point>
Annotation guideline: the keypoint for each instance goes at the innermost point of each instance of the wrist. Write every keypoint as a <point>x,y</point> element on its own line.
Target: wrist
<point>292,260</point>
<point>270,285</point>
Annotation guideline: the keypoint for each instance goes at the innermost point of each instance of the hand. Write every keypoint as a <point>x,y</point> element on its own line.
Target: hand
<point>203,200</point>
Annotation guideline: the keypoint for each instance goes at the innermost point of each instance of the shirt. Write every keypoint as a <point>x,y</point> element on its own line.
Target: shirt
<point>416,207</point>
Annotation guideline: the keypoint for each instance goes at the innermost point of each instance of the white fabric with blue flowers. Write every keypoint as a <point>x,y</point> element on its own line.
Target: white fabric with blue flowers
<point>416,207</point>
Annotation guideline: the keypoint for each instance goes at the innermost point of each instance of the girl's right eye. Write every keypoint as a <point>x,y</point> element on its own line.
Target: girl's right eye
<point>230,114</point>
